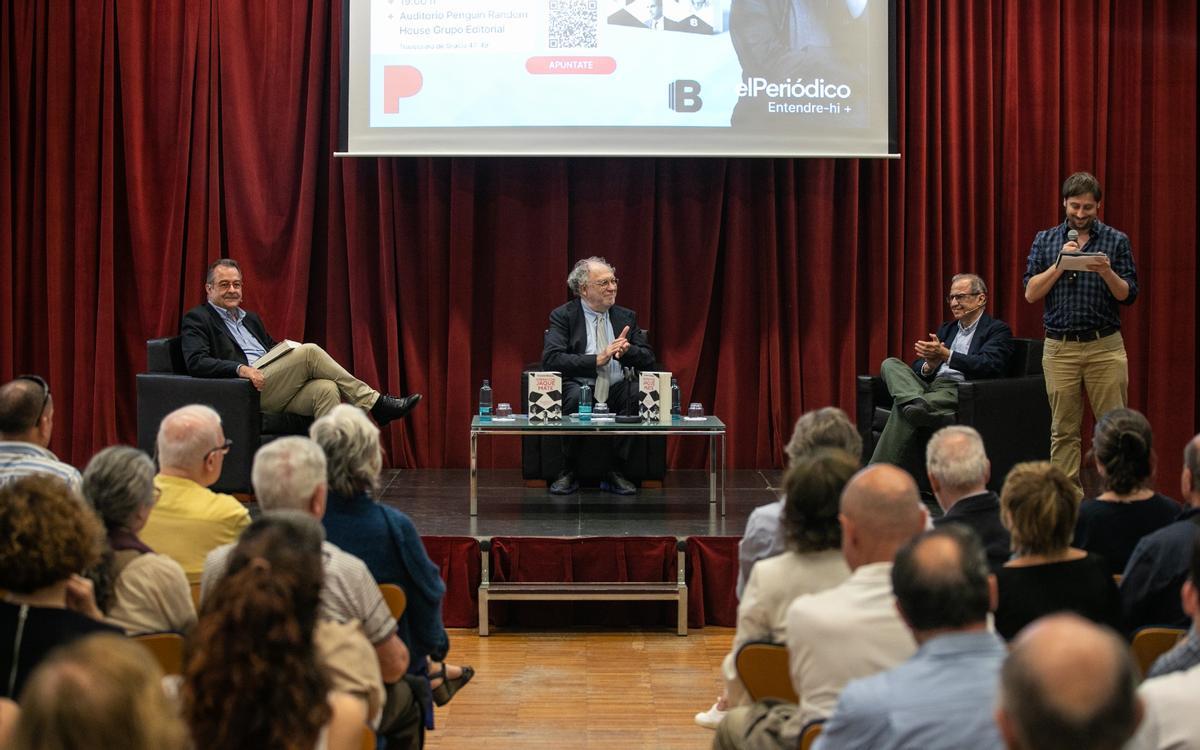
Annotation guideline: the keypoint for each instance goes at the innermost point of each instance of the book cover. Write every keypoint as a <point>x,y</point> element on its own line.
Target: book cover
<point>545,397</point>
<point>654,397</point>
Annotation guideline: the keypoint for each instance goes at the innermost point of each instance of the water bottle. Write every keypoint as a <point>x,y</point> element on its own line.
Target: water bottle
<point>675,409</point>
<point>585,403</point>
<point>485,402</point>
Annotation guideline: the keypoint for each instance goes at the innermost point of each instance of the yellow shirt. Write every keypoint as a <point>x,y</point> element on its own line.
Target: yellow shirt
<point>189,520</point>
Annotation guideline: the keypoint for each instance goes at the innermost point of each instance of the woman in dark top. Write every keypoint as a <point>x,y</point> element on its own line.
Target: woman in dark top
<point>1038,507</point>
<point>47,536</point>
<point>1112,523</point>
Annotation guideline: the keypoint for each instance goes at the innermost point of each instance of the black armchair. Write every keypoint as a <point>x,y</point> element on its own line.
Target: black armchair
<point>541,456</point>
<point>1012,414</point>
<point>166,386</point>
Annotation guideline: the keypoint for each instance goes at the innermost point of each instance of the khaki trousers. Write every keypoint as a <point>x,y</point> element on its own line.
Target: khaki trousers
<point>1101,367</point>
<point>308,381</point>
<point>905,387</point>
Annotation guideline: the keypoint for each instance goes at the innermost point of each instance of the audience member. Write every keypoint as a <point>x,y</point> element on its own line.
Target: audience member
<point>1068,683</point>
<point>828,427</point>
<point>940,697</point>
<point>1039,505</point>
<point>1112,523</point>
<point>26,425</point>
<point>813,562</point>
<point>958,471</point>
<point>1170,696</point>
<point>255,640</point>
<point>150,592</point>
<point>925,394</point>
<point>1186,653</point>
<point>189,519</point>
<point>47,537</point>
<point>289,477</point>
<point>851,630</point>
<point>8,720</point>
<point>1159,563</point>
<point>386,540</point>
<point>220,339</point>
<point>101,691</point>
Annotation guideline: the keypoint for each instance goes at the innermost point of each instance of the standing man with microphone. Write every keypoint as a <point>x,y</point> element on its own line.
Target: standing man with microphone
<point>1083,325</point>
<point>974,345</point>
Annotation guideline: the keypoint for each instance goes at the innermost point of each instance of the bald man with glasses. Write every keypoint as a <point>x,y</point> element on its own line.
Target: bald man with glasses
<point>26,426</point>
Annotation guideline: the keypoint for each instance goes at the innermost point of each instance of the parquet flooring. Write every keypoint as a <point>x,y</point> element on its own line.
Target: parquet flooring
<point>612,689</point>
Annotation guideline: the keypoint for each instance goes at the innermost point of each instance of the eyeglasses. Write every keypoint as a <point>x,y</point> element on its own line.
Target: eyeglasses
<point>226,285</point>
<point>960,297</point>
<point>45,393</point>
<point>222,449</point>
<point>605,284</point>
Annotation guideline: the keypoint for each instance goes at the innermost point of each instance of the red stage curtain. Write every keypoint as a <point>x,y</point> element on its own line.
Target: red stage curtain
<point>712,580</point>
<point>139,141</point>
<point>457,557</point>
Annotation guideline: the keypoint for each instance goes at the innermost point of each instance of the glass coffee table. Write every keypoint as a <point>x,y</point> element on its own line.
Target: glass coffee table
<point>520,424</point>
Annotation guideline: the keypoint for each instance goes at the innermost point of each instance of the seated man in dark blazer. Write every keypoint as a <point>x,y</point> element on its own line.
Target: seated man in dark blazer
<point>972,346</point>
<point>590,341</point>
<point>221,340</point>
<point>958,471</point>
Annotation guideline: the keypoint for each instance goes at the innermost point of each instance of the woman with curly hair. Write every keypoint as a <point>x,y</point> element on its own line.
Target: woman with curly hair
<point>251,678</point>
<point>813,562</point>
<point>1038,506</point>
<point>387,541</point>
<point>1112,523</point>
<point>47,538</point>
<point>150,592</point>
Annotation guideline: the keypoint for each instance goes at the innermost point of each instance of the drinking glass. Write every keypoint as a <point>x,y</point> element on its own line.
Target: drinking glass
<point>503,410</point>
<point>696,410</point>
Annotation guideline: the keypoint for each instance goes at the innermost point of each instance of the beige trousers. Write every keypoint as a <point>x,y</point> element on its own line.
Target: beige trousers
<point>1101,367</point>
<point>308,381</point>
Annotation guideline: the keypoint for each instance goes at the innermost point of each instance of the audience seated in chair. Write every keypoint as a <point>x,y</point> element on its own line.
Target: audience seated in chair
<point>150,592</point>
<point>1068,683</point>
<point>289,478</point>
<point>829,427</point>
<point>50,537</point>
<point>1039,505</point>
<point>813,562</point>
<point>1113,523</point>
<point>272,588</point>
<point>1186,653</point>
<point>101,691</point>
<point>958,470</point>
<point>851,630</point>
<point>386,540</point>
<point>26,425</point>
<point>189,519</point>
<point>943,696</point>
<point>1159,563</point>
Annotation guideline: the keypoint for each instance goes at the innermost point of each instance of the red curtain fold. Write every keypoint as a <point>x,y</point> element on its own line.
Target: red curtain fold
<point>139,141</point>
<point>457,557</point>
<point>712,581</point>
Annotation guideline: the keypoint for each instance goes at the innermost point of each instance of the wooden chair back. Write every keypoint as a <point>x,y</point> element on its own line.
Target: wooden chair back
<point>763,669</point>
<point>1151,643</point>
<point>167,649</point>
<point>395,598</point>
<point>810,733</point>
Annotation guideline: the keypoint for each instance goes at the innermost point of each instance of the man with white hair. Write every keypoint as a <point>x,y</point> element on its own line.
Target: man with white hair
<point>958,471</point>
<point>289,476</point>
<point>190,519</point>
<point>26,424</point>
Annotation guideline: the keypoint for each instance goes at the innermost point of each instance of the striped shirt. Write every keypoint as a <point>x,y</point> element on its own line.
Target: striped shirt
<point>1080,300</point>
<point>19,459</point>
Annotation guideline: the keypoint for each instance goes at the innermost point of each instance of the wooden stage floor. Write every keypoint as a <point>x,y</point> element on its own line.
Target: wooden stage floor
<point>437,500</point>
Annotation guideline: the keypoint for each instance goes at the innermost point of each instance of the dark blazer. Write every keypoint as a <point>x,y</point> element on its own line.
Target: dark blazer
<point>209,350</point>
<point>566,342</point>
<point>982,513</point>
<point>988,355</point>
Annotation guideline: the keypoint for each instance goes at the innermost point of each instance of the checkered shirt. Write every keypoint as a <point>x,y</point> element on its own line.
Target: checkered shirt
<point>1080,300</point>
<point>1184,655</point>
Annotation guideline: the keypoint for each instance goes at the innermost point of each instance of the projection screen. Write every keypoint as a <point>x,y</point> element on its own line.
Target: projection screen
<point>618,77</point>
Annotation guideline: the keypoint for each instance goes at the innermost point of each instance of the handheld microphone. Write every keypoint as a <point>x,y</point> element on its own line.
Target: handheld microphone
<point>1073,236</point>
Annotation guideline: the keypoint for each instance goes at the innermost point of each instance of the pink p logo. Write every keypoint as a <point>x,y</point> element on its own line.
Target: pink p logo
<point>399,82</point>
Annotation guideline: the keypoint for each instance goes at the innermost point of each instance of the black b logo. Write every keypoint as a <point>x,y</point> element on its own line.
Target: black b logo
<point>683,95</point>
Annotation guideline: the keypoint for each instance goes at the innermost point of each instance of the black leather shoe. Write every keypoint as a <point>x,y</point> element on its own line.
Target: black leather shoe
<point>389,408</point>
<point>617,484</point>
<point>918,412</point>
<point>564,484</point>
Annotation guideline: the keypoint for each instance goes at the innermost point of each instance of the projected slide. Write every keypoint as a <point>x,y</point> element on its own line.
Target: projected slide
<point>785,69</point>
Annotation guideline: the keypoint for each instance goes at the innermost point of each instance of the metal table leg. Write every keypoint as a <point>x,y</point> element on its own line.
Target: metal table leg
<point>474,474</point>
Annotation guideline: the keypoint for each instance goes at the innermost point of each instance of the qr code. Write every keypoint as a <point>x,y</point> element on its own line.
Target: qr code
<point>572,24</point>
